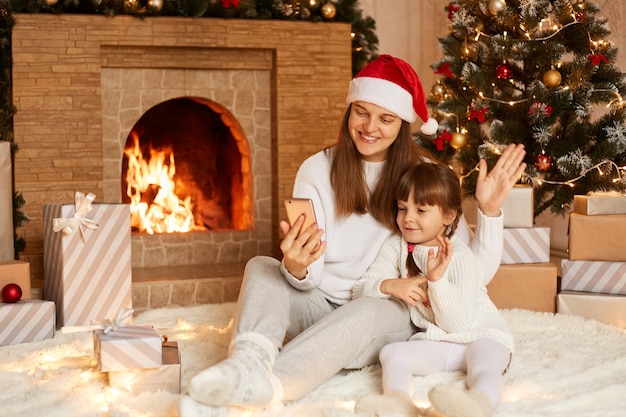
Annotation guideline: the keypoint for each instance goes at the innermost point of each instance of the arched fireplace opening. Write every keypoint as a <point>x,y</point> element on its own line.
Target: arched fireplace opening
<point>194,149</point>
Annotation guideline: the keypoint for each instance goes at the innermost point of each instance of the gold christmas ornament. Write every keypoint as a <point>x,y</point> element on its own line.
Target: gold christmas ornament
<point>438,91</point>
<point>496,6</point>
<point>155,5</point>
<point>458,140</point>
<point>313,3</point>
<point>328,10</point>
<point>552,78</point>
<point>51,2</point>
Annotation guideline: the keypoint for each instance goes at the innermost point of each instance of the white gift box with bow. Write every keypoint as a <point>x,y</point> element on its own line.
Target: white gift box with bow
<point>87,259</point>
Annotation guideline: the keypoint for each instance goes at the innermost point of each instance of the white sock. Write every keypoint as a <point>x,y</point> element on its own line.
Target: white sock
<point>392,404</point>
<point>453,401</point>
<point>187,407</point>
<point>245,379</point>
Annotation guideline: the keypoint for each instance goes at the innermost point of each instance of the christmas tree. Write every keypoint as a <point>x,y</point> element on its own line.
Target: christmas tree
<point>537,72</point>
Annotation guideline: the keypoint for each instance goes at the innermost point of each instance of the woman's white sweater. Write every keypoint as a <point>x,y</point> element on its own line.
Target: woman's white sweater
<point>353,242</point>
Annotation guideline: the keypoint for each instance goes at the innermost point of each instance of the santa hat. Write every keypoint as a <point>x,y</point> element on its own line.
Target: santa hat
<point>392,84</point>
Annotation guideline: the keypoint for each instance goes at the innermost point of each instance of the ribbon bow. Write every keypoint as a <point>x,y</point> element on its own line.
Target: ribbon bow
<point>478,114</point>
<point>78,220</point>
<point>444,69</point>
<point>596,59</point>
<point>445,136</point>
<point>452,8</point>
<point>107,325</point>
<point>111,326</point>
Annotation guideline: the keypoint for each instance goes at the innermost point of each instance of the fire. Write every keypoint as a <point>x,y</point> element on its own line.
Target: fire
<point>154,205</point>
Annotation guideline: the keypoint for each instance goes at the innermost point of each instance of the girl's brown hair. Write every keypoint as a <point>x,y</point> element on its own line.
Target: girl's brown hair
<point>348,178</point>
<point>433,184</point>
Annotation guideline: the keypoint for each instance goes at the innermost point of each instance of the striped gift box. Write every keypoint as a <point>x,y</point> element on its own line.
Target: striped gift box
<point>526,245</point>
<point>594,276</point>
<point>129,347</point>
<point>26,321</point>
<point>166,377</point>
<point>88,275</point>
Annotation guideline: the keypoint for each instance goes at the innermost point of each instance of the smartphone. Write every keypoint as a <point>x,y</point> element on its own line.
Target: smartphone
<point>297,206</point>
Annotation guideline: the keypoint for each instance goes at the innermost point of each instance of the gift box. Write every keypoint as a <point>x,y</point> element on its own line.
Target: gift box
<point>26,321</point>
<point>525,286</point>
<point>518,207</point>
<point>593,276</point>
<point>597,238</point>
<point>594,204</point>
<point>87,260</point>
<point>16,272</point>
<point>7,248</point>
<point>128,347</point>
<point>606,308</point>
<point>526,245</point>
<point>166,377</point>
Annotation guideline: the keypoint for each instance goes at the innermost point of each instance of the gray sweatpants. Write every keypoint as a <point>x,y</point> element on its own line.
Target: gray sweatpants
<point>324,338</point>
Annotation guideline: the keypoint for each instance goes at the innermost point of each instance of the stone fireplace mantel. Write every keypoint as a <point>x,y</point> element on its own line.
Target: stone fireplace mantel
<point>62,64</point>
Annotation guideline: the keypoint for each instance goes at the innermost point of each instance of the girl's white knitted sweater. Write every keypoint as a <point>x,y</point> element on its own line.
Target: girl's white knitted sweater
<point>353,242</point>
<point>460,309</point>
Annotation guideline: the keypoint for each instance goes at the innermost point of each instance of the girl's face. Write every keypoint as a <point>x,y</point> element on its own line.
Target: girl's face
<point>373,130</point>
<point>421,224</point>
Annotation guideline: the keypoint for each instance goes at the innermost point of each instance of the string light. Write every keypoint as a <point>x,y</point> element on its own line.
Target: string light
<point>545,38</point>
<point>570,182</point>
<point>584,173</point>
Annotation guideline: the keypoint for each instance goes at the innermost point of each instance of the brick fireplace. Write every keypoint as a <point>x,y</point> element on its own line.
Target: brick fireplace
<point>81,82</point>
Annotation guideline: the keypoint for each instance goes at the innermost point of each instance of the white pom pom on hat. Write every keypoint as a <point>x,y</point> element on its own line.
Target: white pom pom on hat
<point>392,84</point>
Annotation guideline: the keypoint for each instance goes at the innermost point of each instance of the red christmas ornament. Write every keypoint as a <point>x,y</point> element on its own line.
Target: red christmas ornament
<point>504,71</point>
<point>543,162</point>
<point>11,293</point>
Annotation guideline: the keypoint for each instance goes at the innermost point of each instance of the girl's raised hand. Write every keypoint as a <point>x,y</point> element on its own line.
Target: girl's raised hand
<point>301,248</point>
<point>438,264</point>
<point>493,187</point>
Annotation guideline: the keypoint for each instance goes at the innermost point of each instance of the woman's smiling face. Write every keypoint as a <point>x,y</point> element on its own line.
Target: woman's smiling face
<point>373,130</point>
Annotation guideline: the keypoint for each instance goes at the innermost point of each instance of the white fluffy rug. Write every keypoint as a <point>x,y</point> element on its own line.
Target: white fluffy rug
<point>564,366</point>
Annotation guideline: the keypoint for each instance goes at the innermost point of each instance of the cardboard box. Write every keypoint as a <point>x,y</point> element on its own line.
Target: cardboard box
<point>594,204</point>
<point>88,274</point>
<point>606,308</point>
<point>26,321</point>
<point>16,272</point>
<point>166,377</point>
<point>525,286</point>
<point>7,247</point>
<point>518,207</point>
<point>129,347</point>
<point>593,276</point>
<point>597,238</point>
<point>526,245</point>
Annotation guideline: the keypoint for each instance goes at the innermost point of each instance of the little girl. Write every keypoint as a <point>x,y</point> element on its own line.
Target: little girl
<point>458,327</point>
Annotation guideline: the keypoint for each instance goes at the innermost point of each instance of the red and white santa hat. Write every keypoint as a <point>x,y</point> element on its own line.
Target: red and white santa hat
<point>392,84</point>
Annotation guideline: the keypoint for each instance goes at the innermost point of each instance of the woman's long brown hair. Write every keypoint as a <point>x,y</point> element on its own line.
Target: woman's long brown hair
<point>348,179</point>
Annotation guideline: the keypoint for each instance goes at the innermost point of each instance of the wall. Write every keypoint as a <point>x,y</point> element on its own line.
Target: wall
<point>57,91</point>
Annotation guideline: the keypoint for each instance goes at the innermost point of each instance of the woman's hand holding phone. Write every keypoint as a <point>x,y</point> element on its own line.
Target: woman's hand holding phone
<point>302,244</point>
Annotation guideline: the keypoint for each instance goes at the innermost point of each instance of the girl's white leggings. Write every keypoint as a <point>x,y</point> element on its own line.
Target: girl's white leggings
<point>484,361</point>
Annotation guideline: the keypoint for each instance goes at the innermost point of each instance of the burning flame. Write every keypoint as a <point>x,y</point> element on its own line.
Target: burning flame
<point>155,207</point>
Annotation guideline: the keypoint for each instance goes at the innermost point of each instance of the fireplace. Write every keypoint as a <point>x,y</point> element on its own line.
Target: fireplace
<point>82,83</point>
<point>205,138</point>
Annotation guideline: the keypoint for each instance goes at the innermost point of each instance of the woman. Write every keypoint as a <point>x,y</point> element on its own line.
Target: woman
<point>306,296</point>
